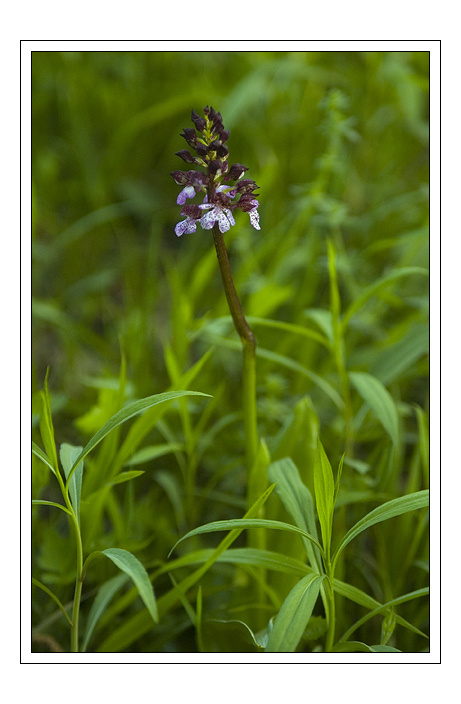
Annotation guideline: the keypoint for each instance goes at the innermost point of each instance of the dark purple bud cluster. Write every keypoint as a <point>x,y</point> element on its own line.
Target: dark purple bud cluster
<point>212,153</point>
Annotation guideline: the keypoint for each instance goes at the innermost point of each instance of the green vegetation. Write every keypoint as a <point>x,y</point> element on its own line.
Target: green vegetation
<point>162,522</point>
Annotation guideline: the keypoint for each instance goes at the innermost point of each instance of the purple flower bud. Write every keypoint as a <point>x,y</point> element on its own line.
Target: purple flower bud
<point>215,167</point>
<point>246,185</point>
<point>199,122</point>
<point>180,177</point>
<point>186,156</point>
<point>190,136</point>
<point>235,171</point>
<point>201,150</point>
<point>220,149</point>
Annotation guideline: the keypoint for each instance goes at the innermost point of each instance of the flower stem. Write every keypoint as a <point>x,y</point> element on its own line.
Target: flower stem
<point>249,350</point>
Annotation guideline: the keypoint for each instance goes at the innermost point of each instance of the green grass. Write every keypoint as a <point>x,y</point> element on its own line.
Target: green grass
<point>320,544</point>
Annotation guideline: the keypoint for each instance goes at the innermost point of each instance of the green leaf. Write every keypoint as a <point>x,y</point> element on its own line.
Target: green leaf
<point>102,599</point>
<point>54,597</point>
<point>386,608</point>
<point>135,627</point>
<point>355,645</point>
<point>324,494</point>
<point>359,597</point>
<point>256,557</point>
<point>129,564</point>
<point>242,523</point>
<point>375,394</point>
<point>284,361</point>
<point>298,501</point>
<point>51,503</point>
<point>126,476</point>
<point>396,507</point>
<point>376,286</point>
<point>46,427</point>
<point>68,454</point>
<point>146,454</point>
<point>125,414</point>
<point>38,452</point>
<point>220,636</point>
<point>294,615</point>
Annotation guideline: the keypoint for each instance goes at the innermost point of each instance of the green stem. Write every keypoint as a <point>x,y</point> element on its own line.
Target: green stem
<point>330,640</point>
<point>78,585</point>
<point>249,350</point>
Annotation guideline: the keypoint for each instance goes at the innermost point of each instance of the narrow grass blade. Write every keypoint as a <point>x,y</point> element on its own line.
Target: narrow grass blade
<point>125,414</point>
<point>54,597</point>
<point>129,564</point>
<point>359,597</point>
<point>46,427</point>
<point>375,394</point>
<point>324,494</point>
<point>38,452</point>
<point>143,425</point>
<point>298,501</point>
<point>51,503</point>
<point>126,476</point>
<point>355,645</point>
<point>68,454</point>
<point>134,628</point>
<point>243,523</point>
<point>396,507</point>
<point>102,599</point>
<point>294,615</point>
<point>376,286</point>
<point>383,608</point>
<point>267,559</point>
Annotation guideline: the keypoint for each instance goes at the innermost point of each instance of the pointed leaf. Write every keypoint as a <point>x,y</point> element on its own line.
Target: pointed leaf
<point>125,414</point>
<point>130,564</point>
<point>46,426</point>
<point>298,501</point>
<point>375,394</point>
<point>242,523</point>
<point>102,599</point>
<point>68,454</point>
<point>294,615</point>
<point>396,507</point>
<point>324,493</point>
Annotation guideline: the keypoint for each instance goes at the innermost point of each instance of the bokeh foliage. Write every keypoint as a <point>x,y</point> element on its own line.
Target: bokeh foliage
<point>338,143</point>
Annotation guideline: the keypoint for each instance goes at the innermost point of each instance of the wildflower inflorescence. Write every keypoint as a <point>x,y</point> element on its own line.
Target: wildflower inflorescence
<point>221,198</point>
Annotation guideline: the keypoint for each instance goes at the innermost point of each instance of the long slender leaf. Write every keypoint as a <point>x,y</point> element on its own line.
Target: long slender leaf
<point>396,507</point>
<point>102,599</point>
<point>136,626</point>
<point>54,597</point>
<point>125,414</point>
<point>130,564</point>
<point>298,501</point>
<point>294,615</point>
<point>243,523</point>
<point>385,607</point>
<point>375,394</point>
<point>68,454</point>
<point>324,494</point>
<point>359,597</point>
<point>46,427</point>
<point>38,452</point>
<point>51,503</point>
<point>376,286</point>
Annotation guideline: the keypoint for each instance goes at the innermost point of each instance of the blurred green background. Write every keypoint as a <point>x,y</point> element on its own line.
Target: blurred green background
<point>337,142</point>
